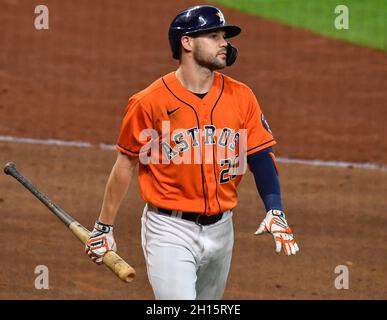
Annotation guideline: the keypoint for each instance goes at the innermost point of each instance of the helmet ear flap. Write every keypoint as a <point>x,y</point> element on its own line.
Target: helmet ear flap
<point>232,53</point>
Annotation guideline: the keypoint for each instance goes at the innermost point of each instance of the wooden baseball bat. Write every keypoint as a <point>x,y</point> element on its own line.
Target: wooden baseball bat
<point>112,260</point>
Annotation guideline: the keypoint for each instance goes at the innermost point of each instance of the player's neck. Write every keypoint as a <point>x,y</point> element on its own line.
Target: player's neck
<point>195,78</point>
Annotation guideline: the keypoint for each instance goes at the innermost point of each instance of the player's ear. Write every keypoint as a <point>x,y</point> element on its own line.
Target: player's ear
<point>186,43</point>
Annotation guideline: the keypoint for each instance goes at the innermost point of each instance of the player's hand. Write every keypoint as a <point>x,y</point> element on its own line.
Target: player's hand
<point>275,223</point>
<point>101,240</point>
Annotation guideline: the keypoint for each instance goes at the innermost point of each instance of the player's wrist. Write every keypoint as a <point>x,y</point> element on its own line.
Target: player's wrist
<point>106,218</point>
<point>276,212</point>
<point>103,227</point>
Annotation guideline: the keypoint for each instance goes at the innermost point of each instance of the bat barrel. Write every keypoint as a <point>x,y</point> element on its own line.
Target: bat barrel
<point>9,166</point>
<point>10,169</point>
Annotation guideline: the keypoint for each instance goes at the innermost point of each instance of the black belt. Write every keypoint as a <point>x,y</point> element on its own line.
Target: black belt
<point>200,219</point>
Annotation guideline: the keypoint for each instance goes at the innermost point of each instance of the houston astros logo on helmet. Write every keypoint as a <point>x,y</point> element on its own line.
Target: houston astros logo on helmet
<point>221,17</point>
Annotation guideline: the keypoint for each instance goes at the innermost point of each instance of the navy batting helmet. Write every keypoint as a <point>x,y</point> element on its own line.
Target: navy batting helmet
<point>196,20</point>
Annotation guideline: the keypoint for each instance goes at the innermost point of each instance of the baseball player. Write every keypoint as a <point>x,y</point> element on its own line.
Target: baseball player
<point>190,133</point>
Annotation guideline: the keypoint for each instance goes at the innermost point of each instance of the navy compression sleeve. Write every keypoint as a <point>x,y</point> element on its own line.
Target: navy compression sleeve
<point>262,166</point>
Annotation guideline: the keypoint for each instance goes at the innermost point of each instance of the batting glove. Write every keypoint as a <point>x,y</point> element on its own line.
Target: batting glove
<point>275,223</point>
<point>101,240</point>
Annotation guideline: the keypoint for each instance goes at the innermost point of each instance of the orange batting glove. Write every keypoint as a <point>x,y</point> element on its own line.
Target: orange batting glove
<point>275,223</point>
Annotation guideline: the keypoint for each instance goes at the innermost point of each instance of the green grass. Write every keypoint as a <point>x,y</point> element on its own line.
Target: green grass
<point>367,18</point>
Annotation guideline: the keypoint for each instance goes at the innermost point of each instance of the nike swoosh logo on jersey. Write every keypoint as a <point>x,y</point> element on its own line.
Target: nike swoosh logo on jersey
<point>172,111</point>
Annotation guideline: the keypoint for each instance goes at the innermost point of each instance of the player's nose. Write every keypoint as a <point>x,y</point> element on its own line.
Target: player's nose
<point>223,43</point>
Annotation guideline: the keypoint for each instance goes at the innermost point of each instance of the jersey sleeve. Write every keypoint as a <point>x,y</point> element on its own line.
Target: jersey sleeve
<point>259,135</point>
<point>132,137</point>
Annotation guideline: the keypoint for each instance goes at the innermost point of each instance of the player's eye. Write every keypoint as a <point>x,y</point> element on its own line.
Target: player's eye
<point>216,35</point>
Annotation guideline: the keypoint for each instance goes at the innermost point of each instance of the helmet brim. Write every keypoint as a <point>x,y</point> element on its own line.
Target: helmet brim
<point>230,30</point>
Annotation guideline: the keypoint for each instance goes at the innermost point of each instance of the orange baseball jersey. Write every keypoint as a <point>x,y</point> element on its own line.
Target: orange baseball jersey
<point>191,149</point>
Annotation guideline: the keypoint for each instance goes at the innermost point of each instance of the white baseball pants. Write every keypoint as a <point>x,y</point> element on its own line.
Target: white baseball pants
<point>186,261</point>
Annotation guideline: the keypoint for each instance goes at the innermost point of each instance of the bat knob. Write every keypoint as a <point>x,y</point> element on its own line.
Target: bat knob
<point>8,167</point>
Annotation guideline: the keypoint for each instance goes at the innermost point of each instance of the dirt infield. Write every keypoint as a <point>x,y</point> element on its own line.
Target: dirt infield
<point>330,231</point>
<point>324,99</point>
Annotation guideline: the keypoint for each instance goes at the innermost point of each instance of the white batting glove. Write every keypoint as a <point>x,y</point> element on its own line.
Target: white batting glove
<point>101,240</point>
<point>275,223</point>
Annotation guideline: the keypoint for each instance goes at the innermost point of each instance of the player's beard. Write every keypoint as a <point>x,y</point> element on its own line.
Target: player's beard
<point>208,60</point>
